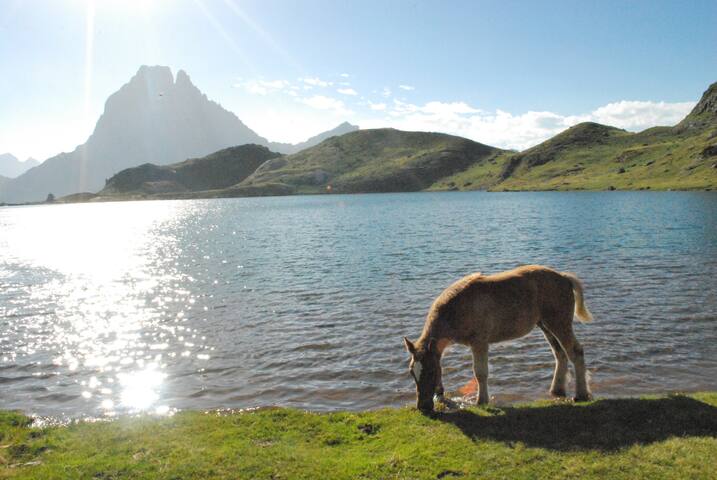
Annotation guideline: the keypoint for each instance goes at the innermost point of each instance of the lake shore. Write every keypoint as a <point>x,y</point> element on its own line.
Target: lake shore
<point>650,437</point>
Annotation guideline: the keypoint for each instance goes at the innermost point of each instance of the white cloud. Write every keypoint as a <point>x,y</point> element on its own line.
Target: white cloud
<point>440,108</point>
<point>347,91</point>
<point>503,129</point>
<point>262,87</point>
<point>377,106</point>
<point>321,102</point>
<point>407,87</point>
<point>386,92</point>
<point>345,75</point>
<point>316,82</point>
<point>637,115</point>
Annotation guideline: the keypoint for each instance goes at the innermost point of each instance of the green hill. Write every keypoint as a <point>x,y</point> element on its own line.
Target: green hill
<point>380,160</point>
<point>216,171</point>
<point>590,156</point>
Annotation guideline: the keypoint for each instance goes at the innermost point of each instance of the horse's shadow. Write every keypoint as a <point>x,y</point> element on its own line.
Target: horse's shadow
<point>606,425</point>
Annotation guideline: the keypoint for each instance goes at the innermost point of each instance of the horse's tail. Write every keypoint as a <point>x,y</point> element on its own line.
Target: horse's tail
<point>581,311</point>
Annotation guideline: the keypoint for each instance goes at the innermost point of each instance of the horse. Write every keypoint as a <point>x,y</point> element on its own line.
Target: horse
<point>478,310</point>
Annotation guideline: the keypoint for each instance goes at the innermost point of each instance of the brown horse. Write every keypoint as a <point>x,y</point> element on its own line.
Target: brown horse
<point>479,310</point>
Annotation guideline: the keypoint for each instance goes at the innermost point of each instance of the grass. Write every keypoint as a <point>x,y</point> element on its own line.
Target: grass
<point>652,437</point>
<point>656,159</point>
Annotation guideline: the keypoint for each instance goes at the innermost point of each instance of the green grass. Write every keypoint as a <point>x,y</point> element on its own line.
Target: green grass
<point>657,159</point>
<point>652,437</point>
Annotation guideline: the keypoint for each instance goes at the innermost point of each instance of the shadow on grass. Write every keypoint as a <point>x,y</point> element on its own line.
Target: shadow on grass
<point>606,425</point>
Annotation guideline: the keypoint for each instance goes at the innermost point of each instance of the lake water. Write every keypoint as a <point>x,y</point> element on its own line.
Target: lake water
<point>115,308</point>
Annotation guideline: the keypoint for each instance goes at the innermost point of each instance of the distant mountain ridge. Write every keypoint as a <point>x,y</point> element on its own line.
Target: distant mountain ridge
<point>11,167</point>
<point>154,118</point>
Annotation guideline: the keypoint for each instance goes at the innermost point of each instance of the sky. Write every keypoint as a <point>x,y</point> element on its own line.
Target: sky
<point>505,73</point>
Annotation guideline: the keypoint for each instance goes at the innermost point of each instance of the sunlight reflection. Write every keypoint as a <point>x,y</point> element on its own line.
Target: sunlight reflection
<point>140,389</point>
<point>110,244</point>
<point>101,267</point>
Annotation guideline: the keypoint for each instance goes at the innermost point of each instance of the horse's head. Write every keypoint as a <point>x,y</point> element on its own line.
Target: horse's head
<point>424,367</point>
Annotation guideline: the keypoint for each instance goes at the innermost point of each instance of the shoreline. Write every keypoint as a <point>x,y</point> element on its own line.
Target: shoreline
<point>143,198</point>
<point>665,436</point>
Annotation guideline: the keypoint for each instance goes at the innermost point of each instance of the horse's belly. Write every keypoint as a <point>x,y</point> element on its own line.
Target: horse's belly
<point>512,329</point>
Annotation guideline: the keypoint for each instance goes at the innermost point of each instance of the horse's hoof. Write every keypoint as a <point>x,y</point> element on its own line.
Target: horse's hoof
<point>558,393</point>
<point>582,398</point>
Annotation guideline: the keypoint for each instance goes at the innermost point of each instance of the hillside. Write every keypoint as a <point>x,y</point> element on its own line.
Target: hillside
<point>589,156</point>
<point>380,160</point>
<point>218,170</point>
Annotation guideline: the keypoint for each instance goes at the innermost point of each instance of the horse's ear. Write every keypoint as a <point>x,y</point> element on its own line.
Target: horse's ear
<point>431,344</point>
<point>410,348</point>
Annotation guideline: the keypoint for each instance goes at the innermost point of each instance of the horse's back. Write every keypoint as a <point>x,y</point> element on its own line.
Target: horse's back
<point>504,305</point>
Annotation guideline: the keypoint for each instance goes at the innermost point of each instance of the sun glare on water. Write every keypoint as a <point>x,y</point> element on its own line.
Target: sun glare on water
<point>102,262</point>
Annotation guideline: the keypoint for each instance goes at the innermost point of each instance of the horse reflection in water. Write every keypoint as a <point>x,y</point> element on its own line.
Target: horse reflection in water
<point>478,310</point>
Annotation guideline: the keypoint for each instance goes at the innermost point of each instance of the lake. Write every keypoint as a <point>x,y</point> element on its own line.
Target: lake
<point>116,308</point>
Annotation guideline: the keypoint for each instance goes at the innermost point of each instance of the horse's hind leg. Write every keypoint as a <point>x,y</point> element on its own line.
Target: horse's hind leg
<point>480,370</point>
<point>576,355</point>
<point>557,388</point>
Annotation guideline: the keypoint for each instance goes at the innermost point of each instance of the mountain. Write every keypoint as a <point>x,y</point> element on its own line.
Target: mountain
<point>154,118</point>
<point>590,156</point>
<point>704,115</point>
<point>378,160</point>
<point>345,127</point>
<point>216,171</point>
<point>11,167</point>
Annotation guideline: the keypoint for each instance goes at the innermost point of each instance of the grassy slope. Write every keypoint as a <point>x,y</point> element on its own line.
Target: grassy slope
<point>657,158</point>
<point>655,437</point>
<point>373,161</point>
<point>215,171</point>
<point>649,161</point>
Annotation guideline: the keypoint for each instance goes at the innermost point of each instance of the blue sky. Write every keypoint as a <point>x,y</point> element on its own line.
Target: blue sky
<point>505,73</point>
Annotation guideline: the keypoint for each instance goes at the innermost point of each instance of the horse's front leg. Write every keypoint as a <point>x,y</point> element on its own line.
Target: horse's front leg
<point>439,381</point>
<point>480,370</point>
